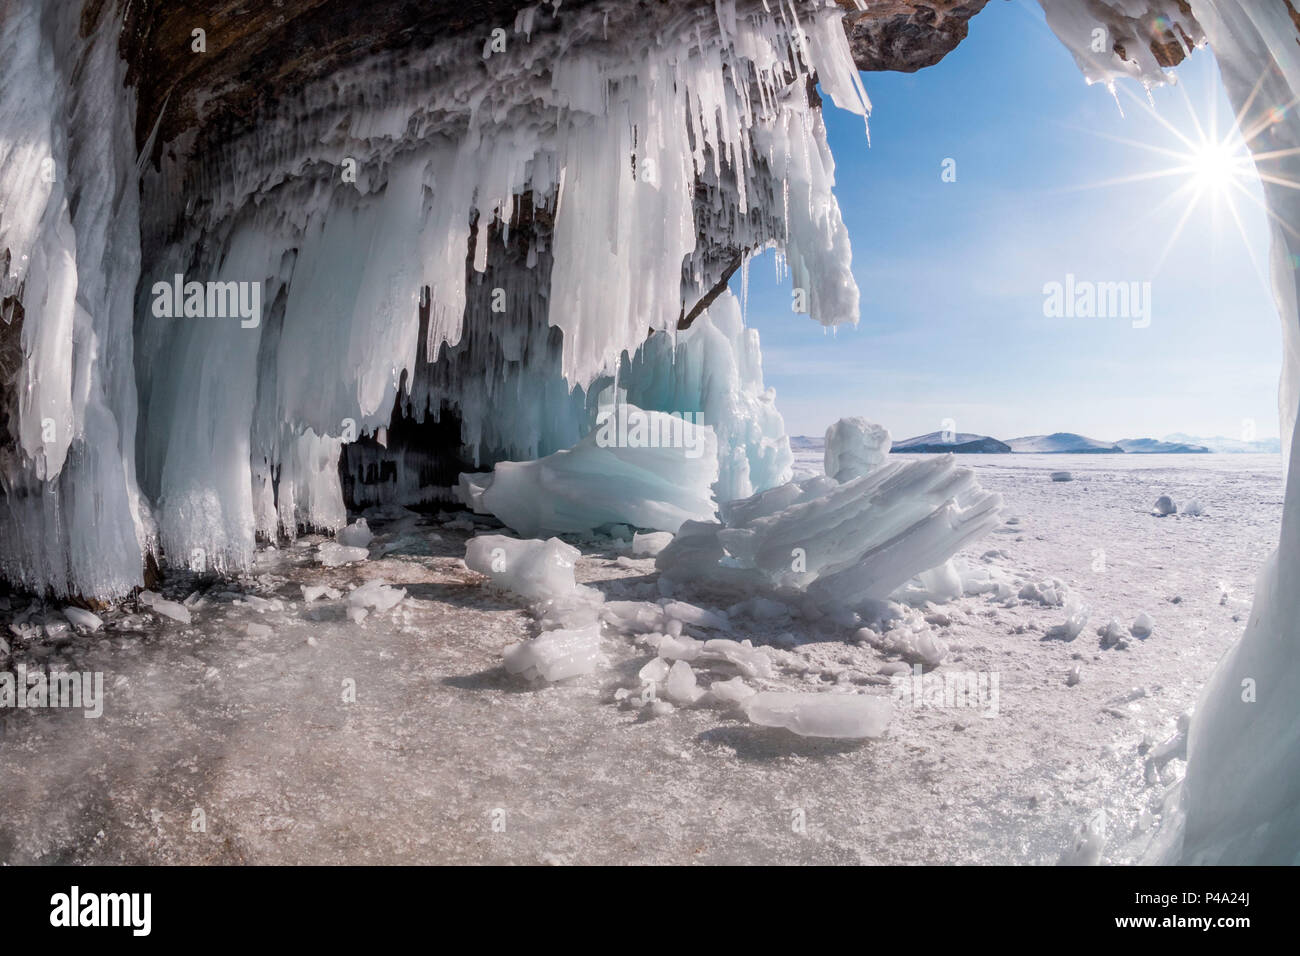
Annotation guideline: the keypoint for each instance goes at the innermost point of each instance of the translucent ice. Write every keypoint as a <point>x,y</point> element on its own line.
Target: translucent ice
<point>842,544</point>
<point>646,469</point>
<point>535,570</point>
<point>855,447</point>
<point>556,655</point>
<point>848,716</point>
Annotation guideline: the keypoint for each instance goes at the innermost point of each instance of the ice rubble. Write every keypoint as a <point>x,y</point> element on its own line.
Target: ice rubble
<point>648,469</point>
<point>842,545</point>
<point>605,173</point>
<point>569,645</point>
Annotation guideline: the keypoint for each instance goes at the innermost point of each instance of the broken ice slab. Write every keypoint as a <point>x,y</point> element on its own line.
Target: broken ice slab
<point>377,595</point>
<point>83,619</point>
<point>828,714</point>
<point>855,447</point>
<point>612,476</point>
<point>681,686</point>
<point>556,655</point>
<point>171,609</point>
<point>536,570</point>
<point>843,544</point>
<point>649,544</point>
<point>356,535</point>
<point>333,555</point>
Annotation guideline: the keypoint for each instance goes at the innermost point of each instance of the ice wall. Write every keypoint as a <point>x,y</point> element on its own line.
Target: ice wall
<point>1241,795</point>
<point>714,370</point>
<point>639,145</point>
<point>484,229</point>
<point>1239,802</point>
<point>70,514</point>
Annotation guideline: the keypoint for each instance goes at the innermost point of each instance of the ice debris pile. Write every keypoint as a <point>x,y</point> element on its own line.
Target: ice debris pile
<point>840,544</point>
<point>575,620</point>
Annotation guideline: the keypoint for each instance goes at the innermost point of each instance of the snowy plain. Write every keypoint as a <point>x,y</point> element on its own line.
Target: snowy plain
<point>445,757</point>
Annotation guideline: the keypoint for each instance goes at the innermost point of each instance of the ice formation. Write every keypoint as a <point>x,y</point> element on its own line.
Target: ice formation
<point>821,714</point>
<point>683,137</point>
<point>840,544</point>
<point>855,447</point>
<point>714,370</point>
<point>436,250</point>
<point>1240,800</point>
<point>647,469</point>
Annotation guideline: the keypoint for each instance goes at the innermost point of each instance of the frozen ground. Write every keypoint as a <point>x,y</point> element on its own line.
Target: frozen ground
<point>443,757</point>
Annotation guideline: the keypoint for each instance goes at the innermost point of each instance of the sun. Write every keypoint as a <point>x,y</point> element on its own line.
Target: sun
<point>1210,166</point>
<point>1215,167</point>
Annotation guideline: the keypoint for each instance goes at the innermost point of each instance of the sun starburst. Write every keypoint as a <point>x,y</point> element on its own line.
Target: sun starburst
<point>1211,165</point>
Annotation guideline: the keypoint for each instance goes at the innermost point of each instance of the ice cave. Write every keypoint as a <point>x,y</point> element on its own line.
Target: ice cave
<point>336,339</point>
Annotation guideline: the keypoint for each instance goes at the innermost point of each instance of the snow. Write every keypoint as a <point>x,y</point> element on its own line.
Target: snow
<point>1061,443</point>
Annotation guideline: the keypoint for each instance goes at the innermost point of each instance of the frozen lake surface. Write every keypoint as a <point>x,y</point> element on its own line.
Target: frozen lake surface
<point>443,757</point>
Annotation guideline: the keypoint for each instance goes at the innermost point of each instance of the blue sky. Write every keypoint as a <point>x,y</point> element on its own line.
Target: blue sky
<point>952,273</point>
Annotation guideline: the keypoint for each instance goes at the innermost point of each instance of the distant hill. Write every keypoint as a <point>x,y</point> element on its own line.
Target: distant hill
<point>960,443</point>
<point>1231,446</point>
<point>1150,446</point>
<point>1063,443</point>
<point>807,443</point>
